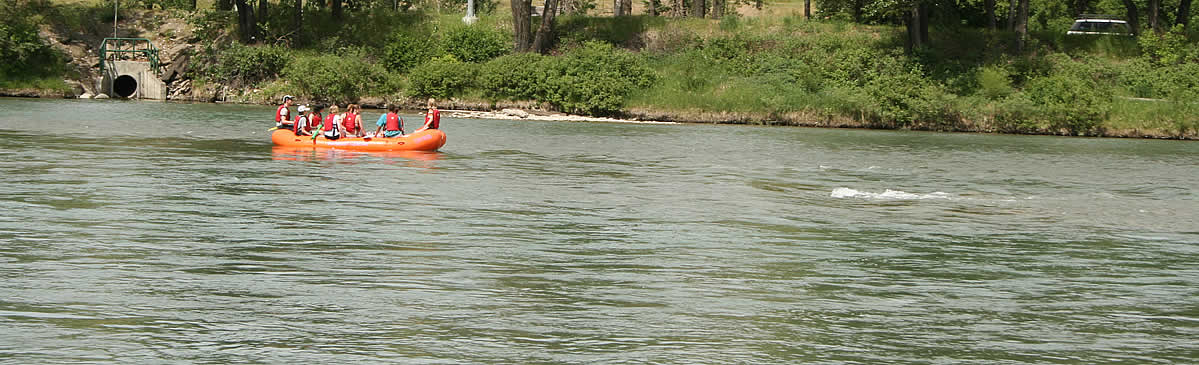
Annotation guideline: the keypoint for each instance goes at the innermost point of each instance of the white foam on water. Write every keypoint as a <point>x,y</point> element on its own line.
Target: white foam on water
<point>887,194</point>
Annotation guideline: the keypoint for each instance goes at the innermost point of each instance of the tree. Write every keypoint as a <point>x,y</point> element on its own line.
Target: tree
<point>1080,7</point>
<point>245,22</point>
<point>698,7</point>
<point>1153,13</point>
<point>262,13</point>
<point>297,20</point>
<point>717,9</point>
<point>522,25</point>
<point>807,9</point>
<point>224,5</point>
<point>916,20</point>
<point>337,9</point>
<point>1131,9</point>
<point>545,33</point>
<point>1021,25</point>
<point>990,10</point>
<point>1184,14</point>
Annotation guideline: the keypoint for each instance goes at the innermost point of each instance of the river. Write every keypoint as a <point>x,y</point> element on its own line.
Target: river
<point>148,232</point>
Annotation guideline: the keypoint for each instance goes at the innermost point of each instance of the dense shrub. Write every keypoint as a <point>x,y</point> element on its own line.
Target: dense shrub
<point>1069,103</point>
<point>596,78</point>
<point>336,78</point>
<point>406,50</point>
<point>521,76</point>
<point>442,77</point>
<point>994,82</point>
<point>25,54</point>
<point>476,44</point>
<point>903,98</point>
<point>244,65</point>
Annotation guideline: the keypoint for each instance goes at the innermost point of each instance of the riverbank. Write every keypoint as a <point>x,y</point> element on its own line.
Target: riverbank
<point>779,70</point>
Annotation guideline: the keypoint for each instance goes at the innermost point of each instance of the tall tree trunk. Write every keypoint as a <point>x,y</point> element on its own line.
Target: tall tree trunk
<point>194,6</point>
<point>698,7</point>
<point>545,33</point>
<point>1021,25</point>
<point>1153,13</point>
<point>717,9</point>
<point>807,9</point>
<point>912,18</point>
<point>1011,15</point>
<point>990,8</point>
<point>626,7</point>
<point>1184,14</point>
<point>522,24</point>
<point>337,9</point>
<point>653,7</point>
<point>224,5</point>
<point>616,8</point>
<point>1131,9</point>
<point>263,10</point>
<point>857,11</point>
<point>245,22</point>
<point>923,8</point>
<point>297,22</point>
<point>678,8</point>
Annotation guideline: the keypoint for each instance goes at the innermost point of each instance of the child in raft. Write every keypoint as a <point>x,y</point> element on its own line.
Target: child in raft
<point>332,126</point>
<point>432,117</point>
<point>301,127</point>
<point>351,123</point>
<point>391,124</point>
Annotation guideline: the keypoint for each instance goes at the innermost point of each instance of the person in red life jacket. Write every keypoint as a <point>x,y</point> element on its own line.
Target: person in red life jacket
<point>390,124</point>
<point>315,119</point>
<point>332,126</point>
<point>301,125</point>
<point>283,115</point>
<point>352,122</point>
<point>432,117</point>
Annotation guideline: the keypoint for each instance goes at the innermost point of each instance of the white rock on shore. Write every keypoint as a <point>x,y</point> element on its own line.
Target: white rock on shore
<point>86,95</point>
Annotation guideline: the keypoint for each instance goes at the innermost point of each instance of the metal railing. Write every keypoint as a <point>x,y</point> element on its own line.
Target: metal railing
<point>140,49</point>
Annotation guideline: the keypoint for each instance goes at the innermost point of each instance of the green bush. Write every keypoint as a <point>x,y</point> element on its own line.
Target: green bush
<point>476,44</point>
<point>1168,49</point>
<point>406,50</point>
<point>243,65</point>
<point>25,53</point>
<point>596,78</point>
<point>1069,103</point>
<point>904,98</point>
<point>994,82</point>
<point>442,77</point>
<point>335,78</point>
<point>521,76</point>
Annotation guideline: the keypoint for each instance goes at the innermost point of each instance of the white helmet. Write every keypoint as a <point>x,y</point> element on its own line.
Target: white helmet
<point>302,108</point>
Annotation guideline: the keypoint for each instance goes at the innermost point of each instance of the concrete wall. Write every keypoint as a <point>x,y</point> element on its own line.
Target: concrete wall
<point>146,82</point>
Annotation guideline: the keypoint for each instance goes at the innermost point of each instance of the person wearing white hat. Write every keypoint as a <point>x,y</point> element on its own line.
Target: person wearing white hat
<point>282,115</point>
<point>300,127</point>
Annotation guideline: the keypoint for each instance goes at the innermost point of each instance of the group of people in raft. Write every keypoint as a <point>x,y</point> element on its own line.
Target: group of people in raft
<point>336,124</point>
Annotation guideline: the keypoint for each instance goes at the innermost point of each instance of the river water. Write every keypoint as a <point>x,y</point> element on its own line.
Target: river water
<point>135,232</point>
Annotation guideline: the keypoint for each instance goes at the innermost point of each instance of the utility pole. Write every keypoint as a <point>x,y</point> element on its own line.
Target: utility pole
<point>470,17</point>
<point>114,18</point>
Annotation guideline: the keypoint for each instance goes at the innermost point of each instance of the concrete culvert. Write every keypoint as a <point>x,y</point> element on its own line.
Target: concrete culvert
<point>124,86</point>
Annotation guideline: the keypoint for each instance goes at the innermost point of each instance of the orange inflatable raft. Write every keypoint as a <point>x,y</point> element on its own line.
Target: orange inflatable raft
<point>426,140</point>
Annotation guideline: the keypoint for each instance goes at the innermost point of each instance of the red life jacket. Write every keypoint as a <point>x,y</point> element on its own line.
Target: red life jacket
<point>314,121</point>
<point>350,122</point>
<point>299,125</point>
<point>328,125</point>
<point>282,110</point>
<point>433,118</point>
<point>393,123</point>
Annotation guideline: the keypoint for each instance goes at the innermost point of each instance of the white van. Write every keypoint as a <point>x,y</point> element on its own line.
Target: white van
<point>1102,26</point>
